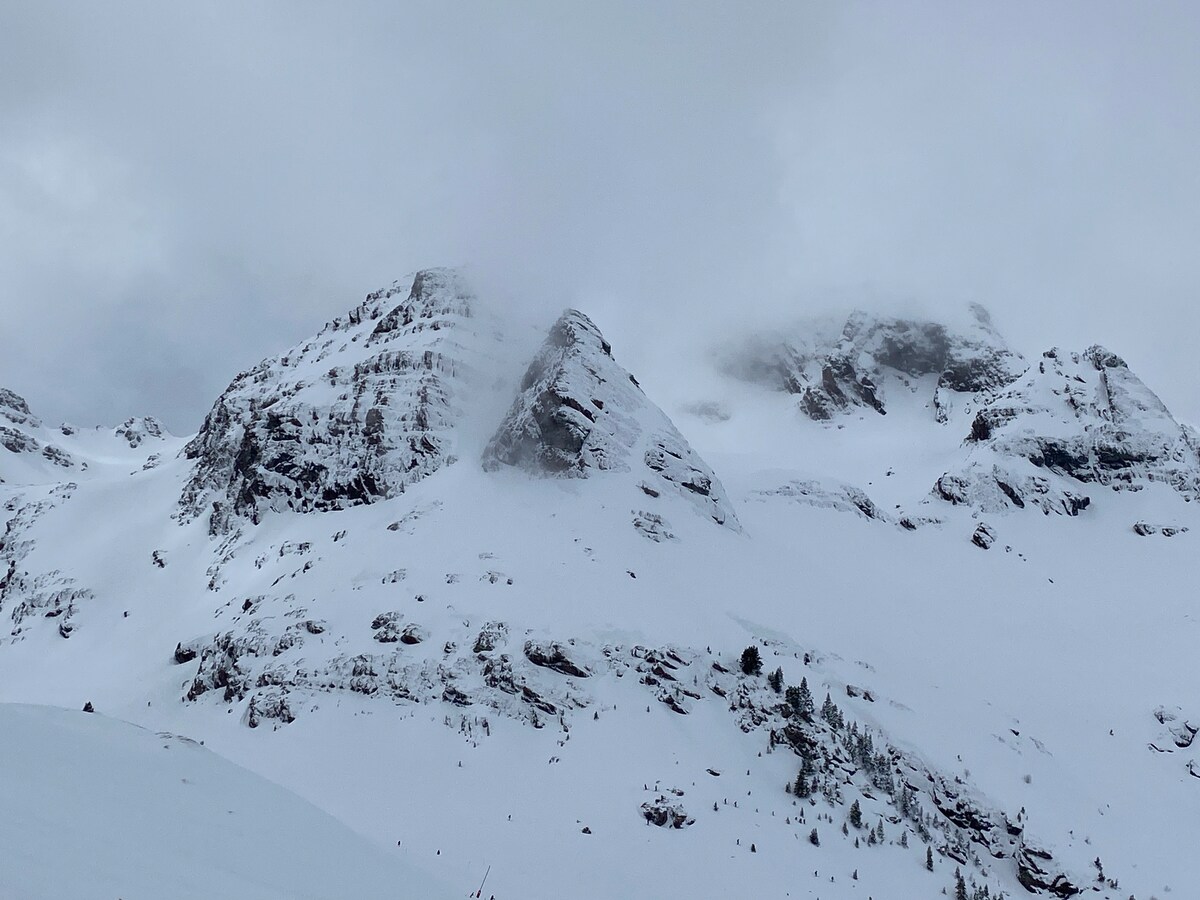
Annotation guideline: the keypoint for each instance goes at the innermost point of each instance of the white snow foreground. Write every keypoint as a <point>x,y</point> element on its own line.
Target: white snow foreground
<point>513,638</point>
<point>96,808</point>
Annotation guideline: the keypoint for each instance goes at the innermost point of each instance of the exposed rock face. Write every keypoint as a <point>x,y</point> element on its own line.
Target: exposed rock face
<point>553,656</point>
<point>15,437</point>
<point>29,596</point>
<point>999,490</point>
<point>15,409</point>
<point>1086,416</point>
<point>137,431</point>
<point>826,494</point>
<point>1036,876</point>
<point>578,413</point>
<point>349,417</point>
<point>666,814</point>
<point>984,536</point>
<point>833,373</point>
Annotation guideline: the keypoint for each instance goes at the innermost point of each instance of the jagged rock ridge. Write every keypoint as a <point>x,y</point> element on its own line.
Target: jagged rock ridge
<point>833,373</point>
<point>579,412</point>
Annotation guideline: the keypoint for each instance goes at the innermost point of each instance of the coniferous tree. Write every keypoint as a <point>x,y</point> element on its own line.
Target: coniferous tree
<point>830,713</point>
<point>804,705</point>
<point>928,857</point>
<point>751,661</point>
<point>792,697</point>
<point>960,886</point>
<point>775,680</point>
<point>814,838</point>
<point>856,814</point>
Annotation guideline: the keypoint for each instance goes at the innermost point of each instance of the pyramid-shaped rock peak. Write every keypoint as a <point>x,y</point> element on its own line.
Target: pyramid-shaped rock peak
<point>578,412</point>
<point>348,417</point>
<point>1088,417</point>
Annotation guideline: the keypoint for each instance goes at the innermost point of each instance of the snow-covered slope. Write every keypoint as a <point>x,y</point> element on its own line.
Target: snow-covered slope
<point>514,638</point>
<point>97,808</point>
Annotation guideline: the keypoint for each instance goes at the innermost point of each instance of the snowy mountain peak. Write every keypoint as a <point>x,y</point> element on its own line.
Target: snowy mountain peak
<point>349,417</point>
<point>1088,417</point>
<point>874,357</point>
<point>578,412</point>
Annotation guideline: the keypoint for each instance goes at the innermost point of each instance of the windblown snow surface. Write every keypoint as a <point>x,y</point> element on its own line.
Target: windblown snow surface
<point>95,807</point>
<point>537,673</point>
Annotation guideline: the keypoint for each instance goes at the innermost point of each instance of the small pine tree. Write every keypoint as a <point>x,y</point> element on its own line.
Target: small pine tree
<point>814,838</point>
<point>775,680</point>
<point>830,713</point>
<point>805,704</point>
<point>792,698</point>
<point>960,886</point>
<point>929,858</point>
<point>903,840</point>
<point>856,815</point>
<point>751,661</point>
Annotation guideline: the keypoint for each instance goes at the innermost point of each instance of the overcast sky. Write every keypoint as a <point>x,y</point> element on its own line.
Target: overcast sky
<point>187,188</point>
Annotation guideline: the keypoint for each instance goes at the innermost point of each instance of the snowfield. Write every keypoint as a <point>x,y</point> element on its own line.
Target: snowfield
<point>95,807</point>
<point>533,665</point>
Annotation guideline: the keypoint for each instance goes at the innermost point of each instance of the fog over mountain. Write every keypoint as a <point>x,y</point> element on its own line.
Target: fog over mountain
<point>185,189</point>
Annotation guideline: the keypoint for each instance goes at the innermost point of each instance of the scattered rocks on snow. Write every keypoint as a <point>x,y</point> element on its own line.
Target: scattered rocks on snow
<point>1179,730</point>
<point>652,526</point>
<point>1145,529</point>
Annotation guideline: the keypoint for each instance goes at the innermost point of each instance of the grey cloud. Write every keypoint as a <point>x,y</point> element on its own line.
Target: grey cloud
<point>185,189</point>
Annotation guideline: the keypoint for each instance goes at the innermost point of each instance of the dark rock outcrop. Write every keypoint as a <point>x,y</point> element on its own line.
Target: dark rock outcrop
<point>1037,876</point>
<point>666,814</point>
<point>553,656</point>
<point>984,536</point>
